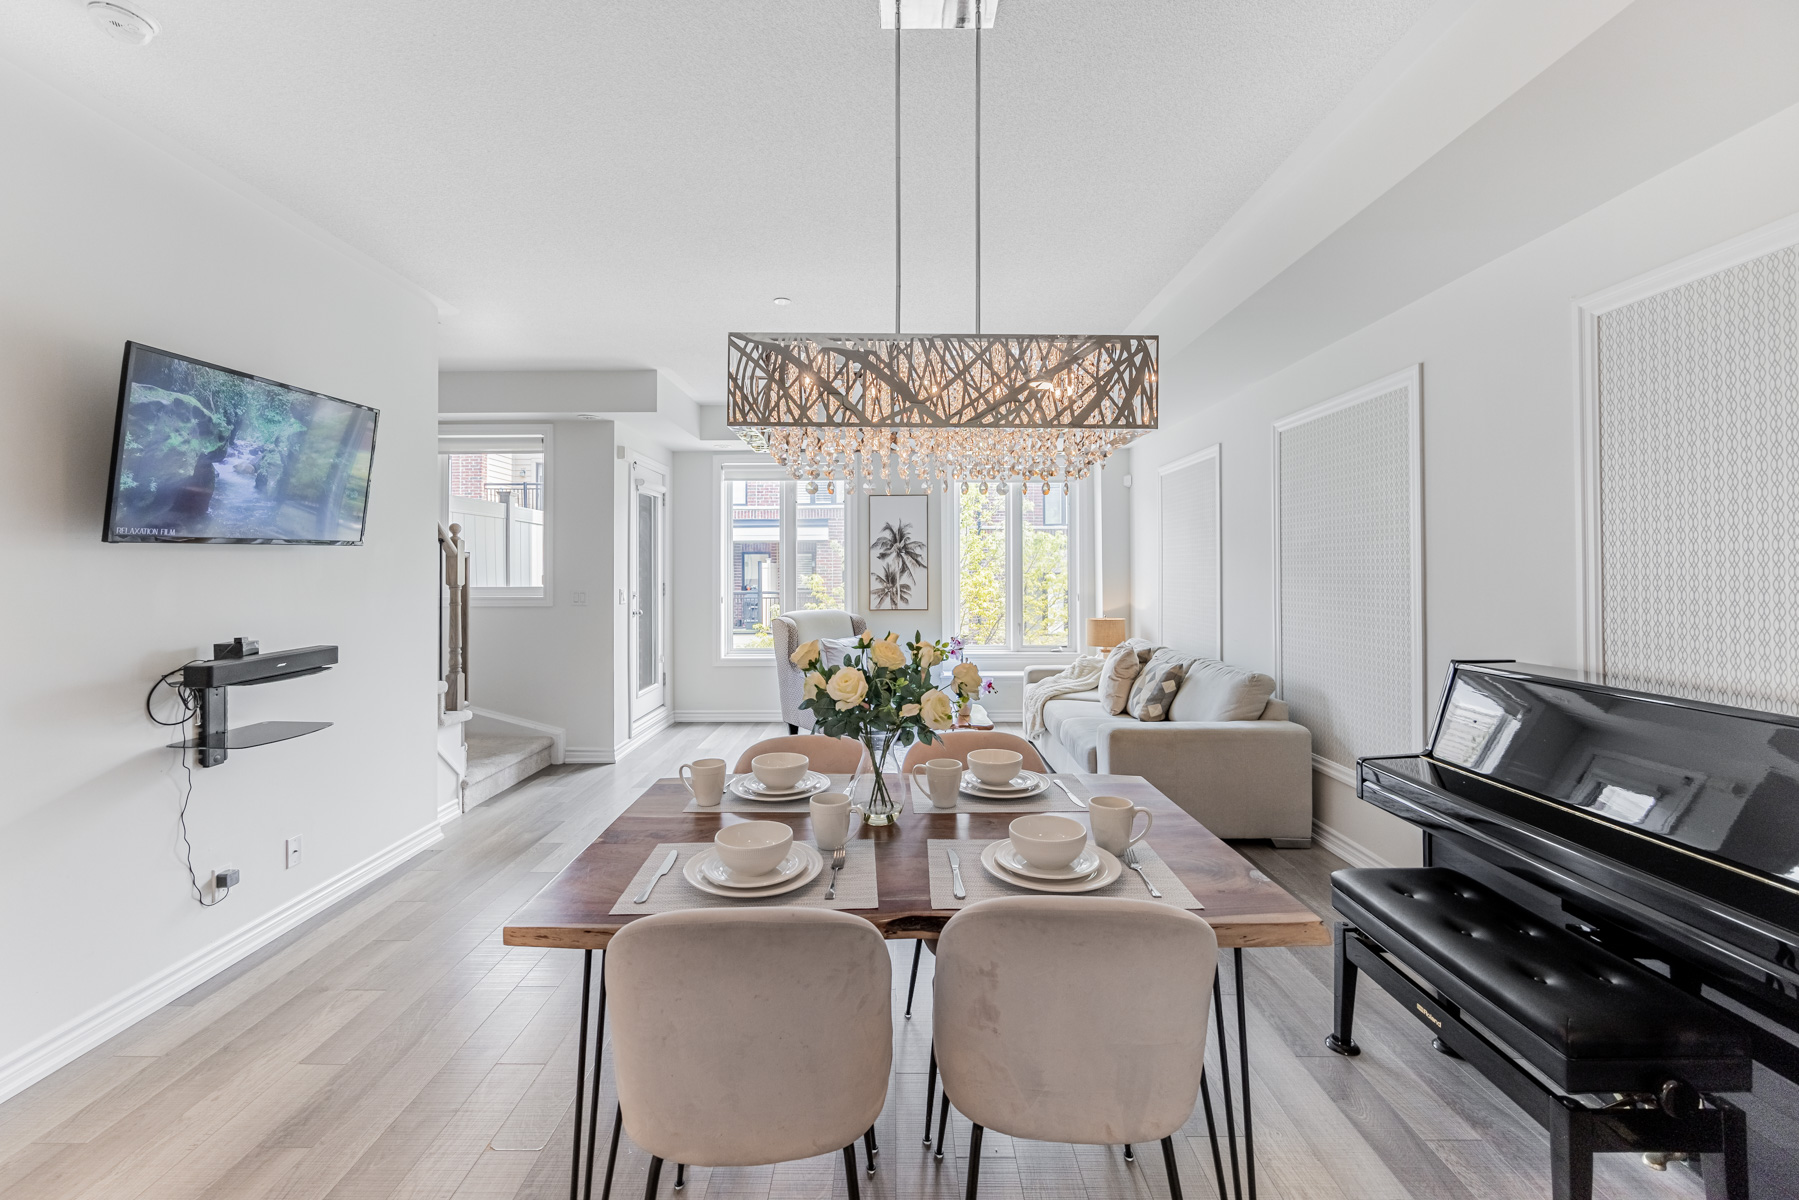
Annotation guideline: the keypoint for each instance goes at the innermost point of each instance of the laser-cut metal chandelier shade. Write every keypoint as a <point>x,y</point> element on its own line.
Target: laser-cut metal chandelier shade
<point>942,407</point>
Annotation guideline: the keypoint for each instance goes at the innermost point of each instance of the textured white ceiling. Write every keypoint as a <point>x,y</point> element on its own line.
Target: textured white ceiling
<point>608,183</point>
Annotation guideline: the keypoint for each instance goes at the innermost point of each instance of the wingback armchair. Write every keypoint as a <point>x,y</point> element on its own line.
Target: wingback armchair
<point>793,630</point>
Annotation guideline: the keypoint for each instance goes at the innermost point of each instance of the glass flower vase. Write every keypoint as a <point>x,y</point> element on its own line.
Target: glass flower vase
<point>880,808</point>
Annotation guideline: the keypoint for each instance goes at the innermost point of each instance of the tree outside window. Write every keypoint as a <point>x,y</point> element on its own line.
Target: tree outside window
<point>1012,558</point>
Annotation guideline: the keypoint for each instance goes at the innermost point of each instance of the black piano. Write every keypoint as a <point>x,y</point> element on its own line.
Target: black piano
<point>1664,830</point>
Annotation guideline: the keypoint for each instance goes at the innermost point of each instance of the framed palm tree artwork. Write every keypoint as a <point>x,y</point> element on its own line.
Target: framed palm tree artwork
<point>898,557</point>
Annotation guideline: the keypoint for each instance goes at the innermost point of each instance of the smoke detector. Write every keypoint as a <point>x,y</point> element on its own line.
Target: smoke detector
<point>123,24</point>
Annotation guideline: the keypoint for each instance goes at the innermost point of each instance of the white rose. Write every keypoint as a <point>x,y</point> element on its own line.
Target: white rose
<point>939,712</point>
<point>967,678</point>
<point>887,653</point>
<point>928,656</point>
<point>814,682</point>
<point>805,656</point>
<point>908,710</point>
<point>847,687</point>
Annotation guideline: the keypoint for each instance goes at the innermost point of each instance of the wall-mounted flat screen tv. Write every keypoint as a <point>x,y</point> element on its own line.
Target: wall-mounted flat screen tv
<point>208,454</point>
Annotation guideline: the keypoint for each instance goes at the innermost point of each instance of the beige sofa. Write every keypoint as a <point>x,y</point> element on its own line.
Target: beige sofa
<point>1240,775</point>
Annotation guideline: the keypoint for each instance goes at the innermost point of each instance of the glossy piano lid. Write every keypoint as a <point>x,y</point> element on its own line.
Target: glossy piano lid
<point>1719,782</point>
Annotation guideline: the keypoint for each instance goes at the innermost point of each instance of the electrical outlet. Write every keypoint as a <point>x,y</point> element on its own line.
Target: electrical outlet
<point>293,852</point>
<point>581,598</point>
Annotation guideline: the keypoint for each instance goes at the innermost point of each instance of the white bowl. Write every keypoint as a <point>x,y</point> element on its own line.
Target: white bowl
<point>779,772</point>
<point>752,848</point>
<point>995,767</point>
<point>1047,841</point>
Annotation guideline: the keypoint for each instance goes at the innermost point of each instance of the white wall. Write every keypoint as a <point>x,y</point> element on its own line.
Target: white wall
<point>1500,431</point>
<point>104,238</point>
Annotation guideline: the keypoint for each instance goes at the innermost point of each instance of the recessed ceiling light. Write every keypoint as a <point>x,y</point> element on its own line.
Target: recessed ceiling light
<point>783,301</point>
<point>123,24</point>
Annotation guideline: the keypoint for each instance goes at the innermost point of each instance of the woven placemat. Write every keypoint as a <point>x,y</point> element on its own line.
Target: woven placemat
<point>1051,799</point>
<point>980,884</point>
<point>856,886</point>
<point>732,802</point>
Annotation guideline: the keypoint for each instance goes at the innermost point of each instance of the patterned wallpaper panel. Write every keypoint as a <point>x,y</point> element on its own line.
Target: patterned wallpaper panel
<point>1190,558</point>
<point>1698,420</point>
<point>1347,645</point>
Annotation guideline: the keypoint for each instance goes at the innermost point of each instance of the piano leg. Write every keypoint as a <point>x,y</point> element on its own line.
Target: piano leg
<point>1727,1174</point>
<point>1570,1153</point>
<point>1344,991</point>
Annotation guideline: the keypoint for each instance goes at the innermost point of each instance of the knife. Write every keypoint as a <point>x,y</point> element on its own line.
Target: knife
<point>1078,802</point>
<point>955,874</point>
<point>668,864</point>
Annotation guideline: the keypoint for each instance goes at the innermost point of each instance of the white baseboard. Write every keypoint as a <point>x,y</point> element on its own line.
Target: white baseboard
<point>557,734</point>
<point>602,755</point>
<point>71,1040</point>
<point>1334,770</point>
<point>449,810</point>
<point>1345,847</point>
<point>694,716</point>
<point>661,719</point>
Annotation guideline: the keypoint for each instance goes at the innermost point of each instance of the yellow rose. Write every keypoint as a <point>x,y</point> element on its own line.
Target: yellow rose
<point>967,678</point>
<point>928,656</point>
<point>814,682</point>
<point>847,687</point>
<point>939,712</point>
<point>887,653</point>
<point>805,656</point>
<point>908,710</point>
<point>865,639</point>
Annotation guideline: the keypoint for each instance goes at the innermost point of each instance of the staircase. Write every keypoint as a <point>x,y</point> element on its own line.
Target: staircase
<point>497,761</point>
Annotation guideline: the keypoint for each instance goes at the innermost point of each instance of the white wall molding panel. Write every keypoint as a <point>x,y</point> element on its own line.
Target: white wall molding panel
<point>1192,612</point>
<point>1348,560</point>
<point>1690,423</point>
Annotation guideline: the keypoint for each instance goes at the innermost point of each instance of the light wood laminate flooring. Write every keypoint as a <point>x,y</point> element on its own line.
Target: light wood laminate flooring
<point>392,1047</point>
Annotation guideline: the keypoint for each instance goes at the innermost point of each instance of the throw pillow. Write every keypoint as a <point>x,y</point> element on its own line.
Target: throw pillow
<point>1153,693</point>
<point>832,650</point>
<point>1118,673</point>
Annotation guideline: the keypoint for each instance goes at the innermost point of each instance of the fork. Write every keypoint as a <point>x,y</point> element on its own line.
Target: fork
<point>837,859</point>
<point>1130,860</point>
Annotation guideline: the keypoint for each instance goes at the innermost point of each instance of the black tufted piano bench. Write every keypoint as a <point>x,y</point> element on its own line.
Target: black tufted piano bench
<point>1554,1016</point>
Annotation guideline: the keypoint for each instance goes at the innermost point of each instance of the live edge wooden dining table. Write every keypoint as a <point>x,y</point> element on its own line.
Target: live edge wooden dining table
<point>1244,907</point>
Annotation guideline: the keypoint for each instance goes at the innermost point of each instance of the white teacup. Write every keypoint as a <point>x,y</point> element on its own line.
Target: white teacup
<point>942,780</point>
<point>779,772</point>
<point>1112,818</point>
<point>752,848</point>
<point>833,817</point>
<point>705,778</point>
<point>1047,841</point>
<point>996,768</point>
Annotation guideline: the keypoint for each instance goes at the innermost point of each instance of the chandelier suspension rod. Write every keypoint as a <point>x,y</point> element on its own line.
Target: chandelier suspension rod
<point>977,166</point>
<point>896,167</point>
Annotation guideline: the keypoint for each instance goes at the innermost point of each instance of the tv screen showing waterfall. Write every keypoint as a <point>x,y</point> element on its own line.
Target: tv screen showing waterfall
<point>207,454</point>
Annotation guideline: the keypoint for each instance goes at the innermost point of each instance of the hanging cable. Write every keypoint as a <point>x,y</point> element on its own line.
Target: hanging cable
<point>184,695</point>
<point>896,167</point>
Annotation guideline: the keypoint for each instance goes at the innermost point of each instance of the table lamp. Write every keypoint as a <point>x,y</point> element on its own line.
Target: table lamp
<point>1103,633</point>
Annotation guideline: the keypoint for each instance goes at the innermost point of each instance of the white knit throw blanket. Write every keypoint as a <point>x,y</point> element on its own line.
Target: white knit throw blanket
<point>1081,675</point>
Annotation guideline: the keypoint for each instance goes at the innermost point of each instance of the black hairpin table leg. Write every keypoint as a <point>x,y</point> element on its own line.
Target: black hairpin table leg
<point>574,1166</point>
<point>593,1103</point>
<point>1249,1133</point>
<point>1224,1072</point>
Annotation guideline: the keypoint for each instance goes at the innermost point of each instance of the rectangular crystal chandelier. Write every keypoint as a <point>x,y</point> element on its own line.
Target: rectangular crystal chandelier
<point>940,407</point>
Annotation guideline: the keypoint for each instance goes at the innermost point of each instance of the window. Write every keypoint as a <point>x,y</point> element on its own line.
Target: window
<point>784,551</point>
<point>1013,567</point>
<point>494,488</point>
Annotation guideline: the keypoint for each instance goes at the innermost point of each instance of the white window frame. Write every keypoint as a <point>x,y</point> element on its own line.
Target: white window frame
<point>490,438</point>
<point>726,471</point>
<point>1015,653</point>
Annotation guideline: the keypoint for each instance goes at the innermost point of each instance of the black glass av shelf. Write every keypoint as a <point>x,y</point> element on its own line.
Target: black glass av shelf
<point>246,736</point>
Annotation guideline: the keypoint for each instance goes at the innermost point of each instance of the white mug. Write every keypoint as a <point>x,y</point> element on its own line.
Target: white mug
<point>705,778</point>
<point>832,817</point>
<point>1112,818</point>
<point>943,780</point>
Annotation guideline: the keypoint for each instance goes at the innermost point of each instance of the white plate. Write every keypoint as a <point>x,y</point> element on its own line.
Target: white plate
<point>1109,871</point>
<point>714,869</point>
<point>751,788</point>
<point>693,872</point>
<point>1008,857</point>
<point>1034,784</point>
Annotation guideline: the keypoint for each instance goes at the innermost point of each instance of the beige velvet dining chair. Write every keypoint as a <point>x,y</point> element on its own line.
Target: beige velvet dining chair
<point>957,743</point>
<point>743,1037</point>
<point>1073,1019</point>
<point>831,755</point>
